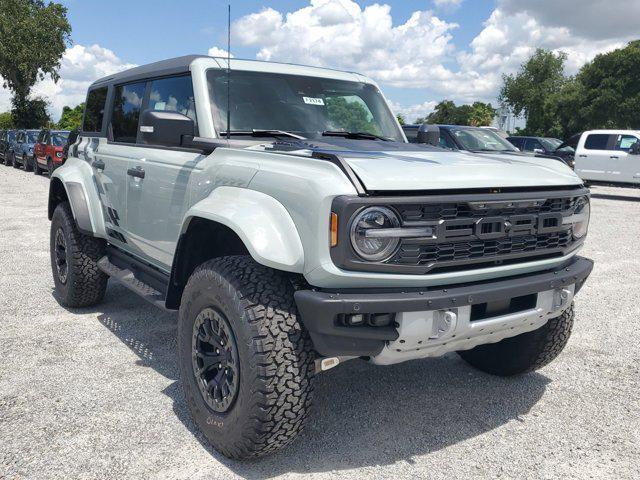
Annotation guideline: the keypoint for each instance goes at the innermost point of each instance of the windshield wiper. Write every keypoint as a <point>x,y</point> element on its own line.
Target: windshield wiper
<point>488,150</point>
<point>263,133</point>
<point>355,135</point>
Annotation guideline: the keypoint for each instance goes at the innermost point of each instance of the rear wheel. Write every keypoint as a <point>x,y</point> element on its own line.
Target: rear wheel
<point>36,167</point>
<point>246,361</point>
<point>74,261</point>
<point>523,353</point>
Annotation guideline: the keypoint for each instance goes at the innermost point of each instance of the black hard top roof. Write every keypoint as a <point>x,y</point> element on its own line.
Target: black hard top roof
<point>163,67</point>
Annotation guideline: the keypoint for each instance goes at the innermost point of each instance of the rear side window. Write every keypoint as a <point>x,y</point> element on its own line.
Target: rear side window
<point>94,110</point>
<point>516,142</point>
<point>597,141</point>
<point>174,94</point>
<point>126,112</point>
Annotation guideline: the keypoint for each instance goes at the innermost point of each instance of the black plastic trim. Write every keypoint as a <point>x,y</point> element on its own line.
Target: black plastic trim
<point>320,309</point>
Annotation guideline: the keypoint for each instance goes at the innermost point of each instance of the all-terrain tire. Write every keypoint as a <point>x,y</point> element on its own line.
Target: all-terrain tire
<point>525,352</point>
<point>84,284</point>
<point>27,165</point>
<point>37,170</point>
<point>50,167</point>
<point>275,356</point>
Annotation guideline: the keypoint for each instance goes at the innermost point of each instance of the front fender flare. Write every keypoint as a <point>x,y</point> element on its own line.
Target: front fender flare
<point>262,223</point>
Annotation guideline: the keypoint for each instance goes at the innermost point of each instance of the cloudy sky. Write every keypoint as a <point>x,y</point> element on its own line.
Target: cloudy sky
<point>419,51</point>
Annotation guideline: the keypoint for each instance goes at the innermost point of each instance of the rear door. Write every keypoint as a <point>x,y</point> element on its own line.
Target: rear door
<point>115,157</point>
<point>593,157</point>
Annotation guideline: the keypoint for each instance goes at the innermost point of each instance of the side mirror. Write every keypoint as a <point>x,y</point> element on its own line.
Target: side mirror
<point>635,149</point>
<point>539,150</point>
<point>429,134</point>
<point>159,127</point>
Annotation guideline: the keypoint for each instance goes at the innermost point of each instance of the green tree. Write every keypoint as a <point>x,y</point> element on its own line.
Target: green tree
<point>401,119</point>
<point>33,37</point>
<point>531,91</point>
<point>6,121</point>
<point>481,115</point>
<point>71,118</point>
<point>609,86</point>
<point>351,116</point>
<point>30,113</point>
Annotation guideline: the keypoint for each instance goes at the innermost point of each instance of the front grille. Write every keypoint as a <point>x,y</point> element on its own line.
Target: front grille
<point>468,250</point>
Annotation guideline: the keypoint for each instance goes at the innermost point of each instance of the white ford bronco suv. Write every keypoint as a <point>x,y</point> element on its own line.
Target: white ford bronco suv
<point>280,209</point>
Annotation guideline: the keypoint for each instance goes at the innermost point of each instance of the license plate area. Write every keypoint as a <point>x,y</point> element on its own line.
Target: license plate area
<point>482,311</point>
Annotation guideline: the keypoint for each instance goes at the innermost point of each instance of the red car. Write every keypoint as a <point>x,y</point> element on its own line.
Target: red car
<point>47,153</point>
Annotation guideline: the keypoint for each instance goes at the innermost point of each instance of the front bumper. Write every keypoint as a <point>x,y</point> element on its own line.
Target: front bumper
<point>426,318</point>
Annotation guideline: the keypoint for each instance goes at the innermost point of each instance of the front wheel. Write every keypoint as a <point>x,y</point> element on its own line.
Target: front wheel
<point>246,361</point>
<point>50,166</point>
<point>525,352</point>
<point>36,167</point>
<point>26,164</point>
<point>74,261</point>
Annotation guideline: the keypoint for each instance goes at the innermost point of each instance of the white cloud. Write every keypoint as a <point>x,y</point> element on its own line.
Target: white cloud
<point>411,112</point>
<point>218,52</point>
<point>419,53</point>
<point>80,66</point>
<point>447,4</point>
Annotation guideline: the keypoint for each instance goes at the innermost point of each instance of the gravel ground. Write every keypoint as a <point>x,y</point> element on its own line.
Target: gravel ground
<point>94,393</point>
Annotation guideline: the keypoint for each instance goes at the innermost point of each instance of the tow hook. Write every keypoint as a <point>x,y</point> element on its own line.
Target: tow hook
<point>327,363</point>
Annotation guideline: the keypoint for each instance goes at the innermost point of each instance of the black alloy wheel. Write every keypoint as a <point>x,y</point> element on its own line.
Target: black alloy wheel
<point>62,266</point>
<point>215,360</point>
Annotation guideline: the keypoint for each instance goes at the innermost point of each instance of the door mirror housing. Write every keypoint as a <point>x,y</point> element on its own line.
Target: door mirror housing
<point>429,134</point>
<point>159,127</point>
<point>539,150</point>
<point>635,148</point>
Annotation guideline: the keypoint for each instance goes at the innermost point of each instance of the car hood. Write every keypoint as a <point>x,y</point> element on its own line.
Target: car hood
<point>387,166</point>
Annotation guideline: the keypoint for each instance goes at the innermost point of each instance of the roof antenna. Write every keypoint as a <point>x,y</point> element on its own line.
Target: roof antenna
<point>228,71</point>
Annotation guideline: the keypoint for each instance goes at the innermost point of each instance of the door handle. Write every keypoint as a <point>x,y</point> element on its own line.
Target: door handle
<point>582,156</point>
<point>98,164</point>
<point>137,172</point>
<point>614,156</point>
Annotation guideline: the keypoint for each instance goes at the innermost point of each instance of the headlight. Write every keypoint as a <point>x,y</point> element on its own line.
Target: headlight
<point>580,217</point>
<point>368,245</point>
<point>59,154</point>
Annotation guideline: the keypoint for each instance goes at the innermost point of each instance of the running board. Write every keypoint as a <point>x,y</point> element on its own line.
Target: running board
<point>128,279</point>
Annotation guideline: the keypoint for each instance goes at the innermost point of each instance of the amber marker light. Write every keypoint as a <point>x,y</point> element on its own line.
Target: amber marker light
<point>334,229</point>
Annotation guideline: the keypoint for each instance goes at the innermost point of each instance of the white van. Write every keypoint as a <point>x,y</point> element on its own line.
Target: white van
<point>609,156</point>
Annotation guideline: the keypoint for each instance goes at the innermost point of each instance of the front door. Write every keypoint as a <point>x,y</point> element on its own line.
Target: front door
<point>157,185</point>
<point>628,170</point>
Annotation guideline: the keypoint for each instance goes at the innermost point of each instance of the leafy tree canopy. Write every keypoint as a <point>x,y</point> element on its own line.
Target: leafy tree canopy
<point>448,113</point>
<point>528,92</point>
<point>401,119</point>
<point>6,121</point>
<point>71,118</point>
<point>351,116</point>
<point>29,113</point>
<point>34,35</point>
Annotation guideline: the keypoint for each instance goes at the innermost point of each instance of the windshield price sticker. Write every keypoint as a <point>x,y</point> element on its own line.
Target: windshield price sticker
<point>313,101</point>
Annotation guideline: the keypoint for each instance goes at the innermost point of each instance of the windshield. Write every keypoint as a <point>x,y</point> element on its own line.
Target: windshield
<point>11,136</point>
<point>482,140</point>
<point>58,139</point>
<point>32,137</point>
<point>305,106</point>
<point>550,144</point>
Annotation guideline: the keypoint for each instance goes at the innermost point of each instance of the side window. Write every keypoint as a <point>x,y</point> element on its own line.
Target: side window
<point>625,142</point>
<point>597,141</point>
<point>126,112</point>
<point>445,141</point>
<point>531,144</point>
<point>515,142</point>
<point>94,110</point>
<point>173,94</point>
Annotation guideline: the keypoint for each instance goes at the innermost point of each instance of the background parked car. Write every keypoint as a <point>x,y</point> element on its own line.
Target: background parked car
<point>609,156</point>
<point>2,134</point>
<point>545,146</point>
<point>23,151</point>
<point>460,137</point>
<point>6,140</point>
<point>48,151</point>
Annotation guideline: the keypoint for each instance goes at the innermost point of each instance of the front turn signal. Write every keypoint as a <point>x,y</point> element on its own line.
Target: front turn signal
<point>334,229</point>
